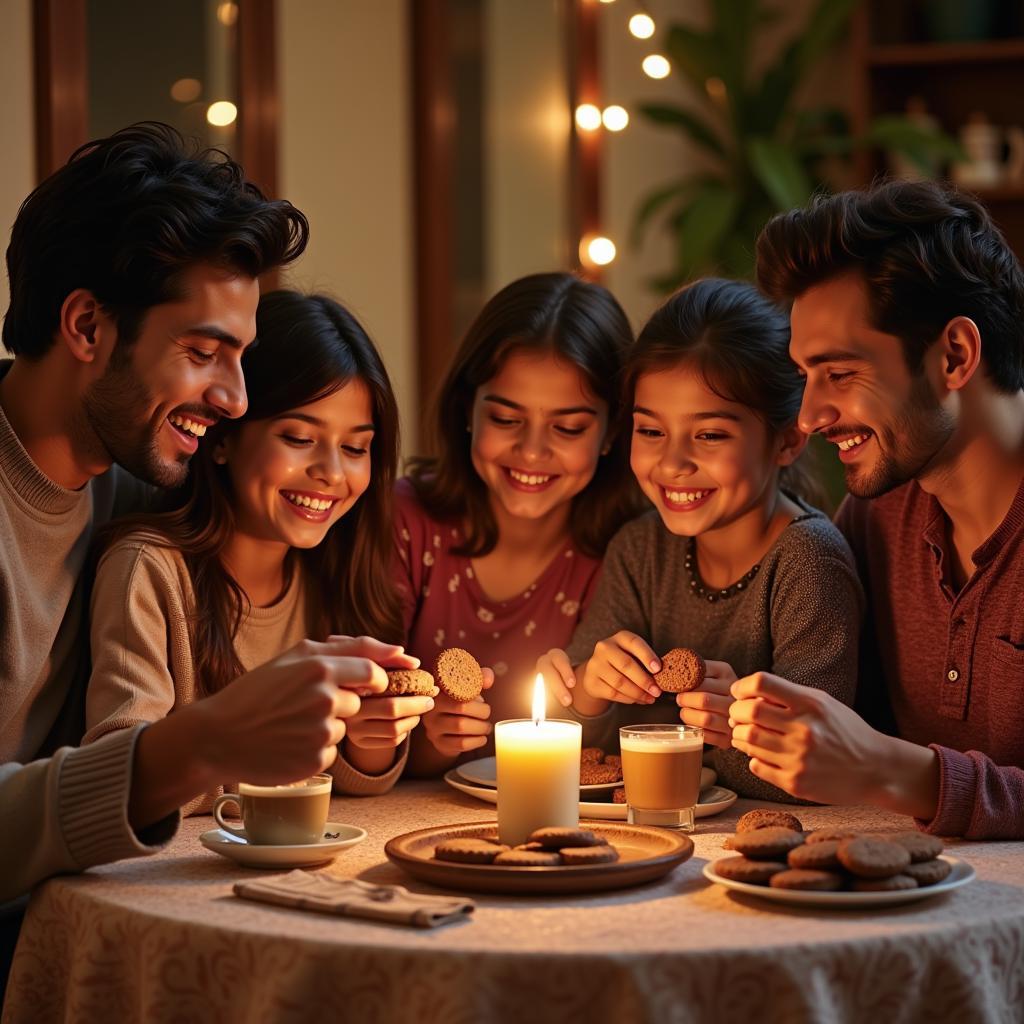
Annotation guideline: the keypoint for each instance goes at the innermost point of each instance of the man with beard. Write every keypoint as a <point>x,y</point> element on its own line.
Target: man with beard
<point>907,314</point>
<point>133,274</point>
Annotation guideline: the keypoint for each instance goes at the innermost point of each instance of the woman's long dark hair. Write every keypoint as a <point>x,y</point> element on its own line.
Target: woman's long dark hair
<point>738,342</point>
<point>574,320</point>
<point>308,348</point>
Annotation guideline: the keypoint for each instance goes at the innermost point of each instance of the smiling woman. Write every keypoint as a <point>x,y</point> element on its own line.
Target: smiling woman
<point>280,533</point>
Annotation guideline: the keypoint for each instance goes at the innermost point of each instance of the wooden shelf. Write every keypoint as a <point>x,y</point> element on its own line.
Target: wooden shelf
<point>904,54</point>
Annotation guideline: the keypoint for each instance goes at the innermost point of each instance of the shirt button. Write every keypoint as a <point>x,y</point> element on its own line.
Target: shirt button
<point>952,675</point>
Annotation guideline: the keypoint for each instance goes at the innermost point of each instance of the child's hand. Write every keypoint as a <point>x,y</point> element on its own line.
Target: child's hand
<point>453,727</point>
<point>384,722</point>
<point>558,674</point>
<point>620,669</point>
<point>708,706</point>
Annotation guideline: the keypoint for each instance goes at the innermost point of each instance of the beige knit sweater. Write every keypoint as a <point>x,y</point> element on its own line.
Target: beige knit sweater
<point>67,811</point>
<point>143,665</point>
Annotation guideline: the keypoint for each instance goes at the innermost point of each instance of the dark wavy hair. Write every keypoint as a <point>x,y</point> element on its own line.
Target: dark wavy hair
<point>738,342</point>
<point>575,320</point>
<point>308,348</point>
<point>124,218</point>
<point>927,254</point>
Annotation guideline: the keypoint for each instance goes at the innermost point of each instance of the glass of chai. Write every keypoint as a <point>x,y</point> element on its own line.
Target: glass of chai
<point>661,773</point>
<point>290,815</point>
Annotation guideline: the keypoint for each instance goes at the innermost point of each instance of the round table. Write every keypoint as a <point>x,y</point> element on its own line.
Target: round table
<point>162,938</point>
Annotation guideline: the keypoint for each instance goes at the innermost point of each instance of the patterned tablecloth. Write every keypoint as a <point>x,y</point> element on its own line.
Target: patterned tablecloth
<point>163,939</point>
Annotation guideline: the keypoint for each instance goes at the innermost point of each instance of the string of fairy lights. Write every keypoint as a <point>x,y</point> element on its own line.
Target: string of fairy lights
<point>599,250</point>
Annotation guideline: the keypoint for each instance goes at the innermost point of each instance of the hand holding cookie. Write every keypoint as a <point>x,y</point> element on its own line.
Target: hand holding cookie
<point>459,720</point>
<point>816,748</point>
<point>621,669</point>
<point>708,705</point>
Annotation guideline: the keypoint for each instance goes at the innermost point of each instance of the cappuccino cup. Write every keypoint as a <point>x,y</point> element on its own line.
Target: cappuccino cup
<point>290,815</point>
<point>661,773</point>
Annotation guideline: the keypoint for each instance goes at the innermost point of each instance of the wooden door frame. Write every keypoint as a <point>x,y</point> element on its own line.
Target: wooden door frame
<point>62,79</point>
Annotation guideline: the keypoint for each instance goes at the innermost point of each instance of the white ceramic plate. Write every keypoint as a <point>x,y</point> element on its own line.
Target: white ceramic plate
<point>336,838</point>
<point>712,801</point>
<point>484,772</point>
<point>961,874</point>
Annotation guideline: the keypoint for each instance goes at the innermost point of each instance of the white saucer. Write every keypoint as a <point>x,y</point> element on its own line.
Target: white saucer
<point>336,838</point>
<point>711,801</point>
<point>484,772</point>
<point>961,874</point>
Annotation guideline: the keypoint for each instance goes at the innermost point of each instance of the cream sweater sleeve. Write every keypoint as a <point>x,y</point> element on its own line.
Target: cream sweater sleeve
<point>71,811</point>
<point>350,781</point>
<point>138,667</point>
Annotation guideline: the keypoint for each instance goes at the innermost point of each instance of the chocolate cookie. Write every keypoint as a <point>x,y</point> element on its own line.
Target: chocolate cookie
<point>468,851</point>
<point>753,872</point>
<point>410,682</point>
<point>591,755</point>
<point>816,856</point>
<point>594,774</point>
<point>872,858</point>
<point>619,795</point>
<point>921,846</point>
<point>928,872</point>
<point>764,818</point>
<point>815,881</point>
<point>458,674</point>
<point>614,759</point>
<point>826,835</point>
<point>681,670</point>
<point>894,883</point>
<point>766,843</point>
<point>528,859</point>
<point>561,838</point>
<point>604,854</point>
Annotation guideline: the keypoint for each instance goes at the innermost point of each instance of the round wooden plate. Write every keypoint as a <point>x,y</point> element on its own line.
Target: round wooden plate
<point>644,855</point>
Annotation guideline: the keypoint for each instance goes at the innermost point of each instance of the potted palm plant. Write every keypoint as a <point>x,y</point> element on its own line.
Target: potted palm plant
<point>762,153</point>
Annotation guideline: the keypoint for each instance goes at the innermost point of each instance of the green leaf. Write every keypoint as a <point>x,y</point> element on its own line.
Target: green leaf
<point>694,54</point>
<point>691,124</point>
<point>894,131</point>
<point>779,171</point>
<point>703,225</point>
<point>652,203</point>
<point>823,28</point>
<point>735,22</point>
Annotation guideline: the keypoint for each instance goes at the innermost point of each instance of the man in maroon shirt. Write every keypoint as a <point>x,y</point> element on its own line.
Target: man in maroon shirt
<point>907,321</point>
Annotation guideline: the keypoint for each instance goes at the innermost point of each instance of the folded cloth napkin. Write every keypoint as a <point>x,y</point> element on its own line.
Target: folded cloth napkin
<point>349,897</point>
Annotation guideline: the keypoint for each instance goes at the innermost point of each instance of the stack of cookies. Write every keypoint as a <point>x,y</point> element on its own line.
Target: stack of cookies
<point>546,848</point>
<point>597,767</point>
<point>775,851</point>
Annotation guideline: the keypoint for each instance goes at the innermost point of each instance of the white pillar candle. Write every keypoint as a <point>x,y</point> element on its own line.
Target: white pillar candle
<point>538,773</point>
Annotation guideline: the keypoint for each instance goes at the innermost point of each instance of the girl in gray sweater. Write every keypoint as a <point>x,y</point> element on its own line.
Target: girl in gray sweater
<point>731,562</point>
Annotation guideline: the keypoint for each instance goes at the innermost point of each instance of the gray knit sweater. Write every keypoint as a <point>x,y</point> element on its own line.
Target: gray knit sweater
<point>799,618</point>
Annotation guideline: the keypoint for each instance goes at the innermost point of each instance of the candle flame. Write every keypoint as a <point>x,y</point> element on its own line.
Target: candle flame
<point>539,699</point>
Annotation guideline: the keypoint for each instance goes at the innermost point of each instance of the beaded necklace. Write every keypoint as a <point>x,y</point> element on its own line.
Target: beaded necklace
<point>709,594</point>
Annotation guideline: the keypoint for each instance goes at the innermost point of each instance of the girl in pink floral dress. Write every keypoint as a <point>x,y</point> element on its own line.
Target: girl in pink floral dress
<point>500,534</point>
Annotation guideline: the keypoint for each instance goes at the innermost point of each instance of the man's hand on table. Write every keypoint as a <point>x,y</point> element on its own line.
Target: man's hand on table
<point>816,748</point>
<point>278,723</point>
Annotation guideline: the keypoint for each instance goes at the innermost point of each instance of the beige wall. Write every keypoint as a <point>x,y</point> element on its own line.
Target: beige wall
<point>345,161</point>
<point>526,132</point>
<point>17,168</point>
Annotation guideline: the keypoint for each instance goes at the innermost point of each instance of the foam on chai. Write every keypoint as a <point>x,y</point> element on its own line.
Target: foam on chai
<point>538,772</point>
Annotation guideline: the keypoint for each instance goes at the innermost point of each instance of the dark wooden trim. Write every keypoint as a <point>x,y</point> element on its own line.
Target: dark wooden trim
<point>860,93</point>
<point>433,162</point>
<point>584,147</point>
<point>61,81</point>
<point>258,105</point>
